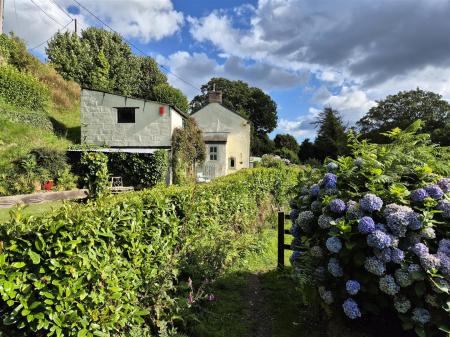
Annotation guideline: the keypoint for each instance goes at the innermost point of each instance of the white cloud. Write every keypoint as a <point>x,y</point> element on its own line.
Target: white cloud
<point>140,19</point>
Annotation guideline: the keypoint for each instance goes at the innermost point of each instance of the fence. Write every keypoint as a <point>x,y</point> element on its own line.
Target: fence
<point>282,217</point>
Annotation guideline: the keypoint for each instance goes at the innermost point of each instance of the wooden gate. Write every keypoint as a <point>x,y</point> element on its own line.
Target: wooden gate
<point>282,217</point>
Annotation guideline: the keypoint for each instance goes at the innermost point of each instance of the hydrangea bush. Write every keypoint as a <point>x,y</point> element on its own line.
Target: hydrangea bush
<point>376,224</point>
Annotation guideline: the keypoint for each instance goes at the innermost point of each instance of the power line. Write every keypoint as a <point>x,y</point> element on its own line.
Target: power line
<point>48,15</point>
<point>135,47</point>
<point>42,43</point>
<point>62,9</point>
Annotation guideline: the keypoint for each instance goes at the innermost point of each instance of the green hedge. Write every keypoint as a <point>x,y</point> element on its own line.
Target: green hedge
<point>111,266</point>
<point>22,89</point>
<point>37,119</point>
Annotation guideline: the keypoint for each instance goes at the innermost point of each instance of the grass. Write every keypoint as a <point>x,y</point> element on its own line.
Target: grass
<point>35,210</point>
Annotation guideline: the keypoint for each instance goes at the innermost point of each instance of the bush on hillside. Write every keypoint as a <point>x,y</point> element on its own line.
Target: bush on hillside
<point>376,226</point>
<point>22,89</point>
<point>111,266</point>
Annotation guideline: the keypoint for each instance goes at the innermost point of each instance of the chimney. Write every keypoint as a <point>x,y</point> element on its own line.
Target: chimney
<point>215,96</point>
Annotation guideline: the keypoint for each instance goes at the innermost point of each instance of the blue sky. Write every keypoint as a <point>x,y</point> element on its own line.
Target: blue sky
<point>341,53</point>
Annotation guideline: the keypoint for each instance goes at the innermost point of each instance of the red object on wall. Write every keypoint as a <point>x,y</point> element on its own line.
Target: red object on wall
<point>48,185</point>
<point>161,111</point>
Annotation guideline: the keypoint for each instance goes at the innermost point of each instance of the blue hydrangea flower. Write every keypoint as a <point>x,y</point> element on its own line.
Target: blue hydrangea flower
<point>444,184</point>
<point>352,287</point>
<point>351,309</point>
<point>419,195</point>
<point>334,268</point>
<point>434,191</point>
<point>294,214</point>
<point>314,190</point>
<point>428,233</point>
<point>316,251</point>
<point>384,255</point>
<point>399,218</point>
<point>415,272</point>
<point>358,162</point>
<point>324,221</point>
<point>293,203</point>
<point>330,181</point>
<point>420,249</point>
<point>379,239</point>
<point>294,256</point>
<point>353,210</point>
<point>326,295</point>
<point>444,265</point>
<point>430,261</point>
<point>444,206</point>
<point>334,244</point>
<point>337,206</point>
<point>366,225</point>
<point>371,203</point>
<point>444,247</point>
<point>403,278</point>
<point>332,166</point>
<point>402,304</point>
<point>305,220</point>
<point>397,255</point>
<point>375,266</point>
<point>295,230</point>
<point>316,207</point>
<point>388,286</point>
<point>421,316</point>
<point>414,221</point>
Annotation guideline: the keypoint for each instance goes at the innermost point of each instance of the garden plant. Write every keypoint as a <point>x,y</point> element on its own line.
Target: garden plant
<point>376,227</point>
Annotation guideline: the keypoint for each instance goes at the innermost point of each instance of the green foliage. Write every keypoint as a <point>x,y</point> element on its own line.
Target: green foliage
<point>52,160</point>
<point>100,72</point>
<point>22,89</point>
<point>188,149</point>
<point>269,160</point>
<point>36,119</point>
<point>96,173</point>
<point>140,170</point>
<point>331,139</point>
<point>249,101</point>
<point>105,268</point>
<point>286,141</point>
<point>400,109</point>
<point>261,144</point>
<point>165,93</point>
<point>288,154</point>
<point>307,151</point>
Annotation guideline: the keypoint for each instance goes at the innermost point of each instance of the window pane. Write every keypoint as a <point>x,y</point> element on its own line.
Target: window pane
<point>126,115</point>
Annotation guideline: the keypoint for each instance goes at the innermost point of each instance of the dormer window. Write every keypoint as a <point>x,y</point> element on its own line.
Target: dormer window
<point>126,115</point>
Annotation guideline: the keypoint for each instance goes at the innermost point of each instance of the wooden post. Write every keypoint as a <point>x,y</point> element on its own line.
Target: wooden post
<point>2,9</point>
<point>280,240</point>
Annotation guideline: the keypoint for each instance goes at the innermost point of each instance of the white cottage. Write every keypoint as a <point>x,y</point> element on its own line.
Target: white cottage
<point>227,138</point>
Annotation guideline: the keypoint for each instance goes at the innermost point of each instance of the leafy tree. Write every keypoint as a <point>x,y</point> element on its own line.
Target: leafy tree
<point>307,150</point>
<point>252,102</point>
<point>287,154</point>
<point>101,60</point>
<point>261,144</point>
<point>442,135</point>
<point>401,109</point>
<point>331,139</point>
<point>286,141</point>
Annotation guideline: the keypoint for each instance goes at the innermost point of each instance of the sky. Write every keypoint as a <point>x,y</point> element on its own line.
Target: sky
<point>305,54</point>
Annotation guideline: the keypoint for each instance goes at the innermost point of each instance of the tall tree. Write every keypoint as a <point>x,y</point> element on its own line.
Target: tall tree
<point>401,109</point>
<point>331,139</point>
<point>252,102</point>
<point>286,141</point>
<point>101,60</point>
<point>307,151</point>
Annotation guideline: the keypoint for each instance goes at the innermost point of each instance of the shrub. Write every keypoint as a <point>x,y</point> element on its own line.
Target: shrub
<point>107,267</point>
<point>22,89</point>
<point>381,218</point>
<point>36,119</point>
<point>96,173</point>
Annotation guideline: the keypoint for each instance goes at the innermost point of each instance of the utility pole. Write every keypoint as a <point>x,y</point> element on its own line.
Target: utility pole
<point>76,26</point>
<point>2,9</point>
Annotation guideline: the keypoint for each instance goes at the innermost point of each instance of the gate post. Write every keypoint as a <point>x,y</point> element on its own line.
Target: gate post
<point>280,239</point>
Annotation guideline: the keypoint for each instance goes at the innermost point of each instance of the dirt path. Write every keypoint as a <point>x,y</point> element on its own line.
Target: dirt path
<point>260,318</point>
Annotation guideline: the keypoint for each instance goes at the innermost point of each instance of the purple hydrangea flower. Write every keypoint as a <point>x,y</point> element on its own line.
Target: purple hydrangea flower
<point>421,316</point>
<point>351,309</point>
<point>334,268</point>
<point>434,191</point>
<point>332,166</point>
<point>371,203</point>
<point>326,295</point>
<point>444,247</point>
<point>375,266</point>
<point>294,256</point>
<point>334,244</point>
<point>444,206</point>
<point>352,287</point>
<point>366,225</point>
<point>337,206</point>
<point>399,218</point>
<point>402,304</point>
<point>293,203</point>
<point>414,221</point>
<point>420,249</point>
<point>330,181</point>
<point>388,286</point>
<point>305,220</point>
<point>384,255</point>
<point>314,190</point>
<point>403,278</point>
<point>316,207</point>
<point>444,184</point>
<point>353,210</point>
<point>324,221</point>
<point>419,195</point>
<point>294,214</point>
<point>444,265</point>
<point>295,231</point>
<point>397,255</point>
<point>428,233</point>
<point>379,239</point>
<point>430,261</point>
